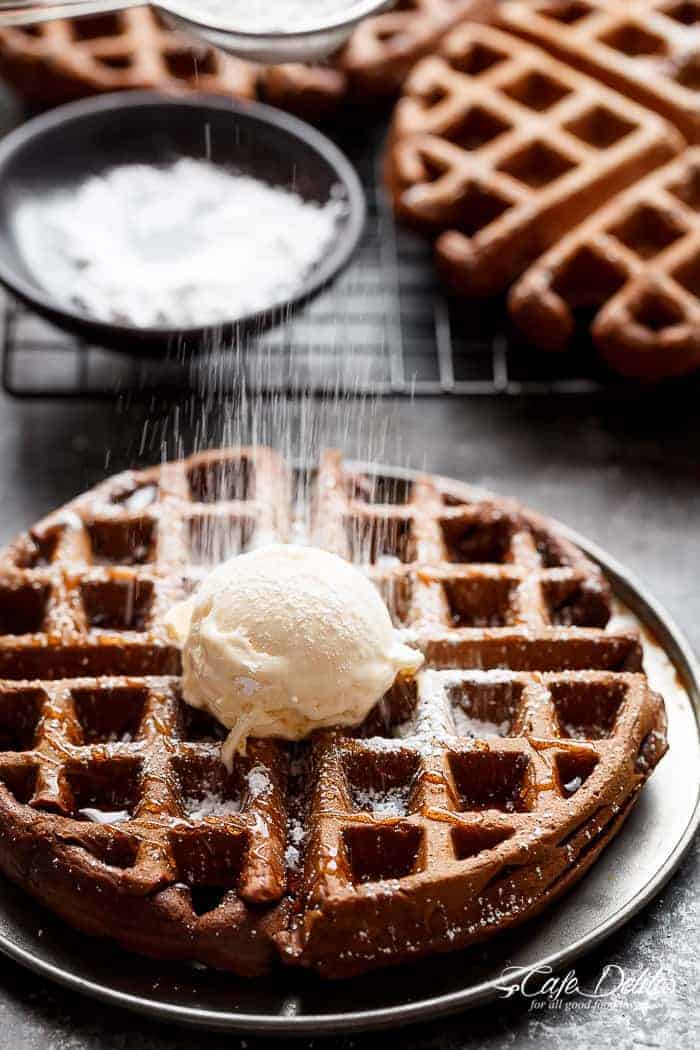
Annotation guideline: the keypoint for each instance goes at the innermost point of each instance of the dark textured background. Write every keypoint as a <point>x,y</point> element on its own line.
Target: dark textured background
<point>626,476</point>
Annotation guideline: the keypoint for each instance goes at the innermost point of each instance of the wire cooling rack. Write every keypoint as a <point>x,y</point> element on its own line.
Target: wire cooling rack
<point>383,327</point>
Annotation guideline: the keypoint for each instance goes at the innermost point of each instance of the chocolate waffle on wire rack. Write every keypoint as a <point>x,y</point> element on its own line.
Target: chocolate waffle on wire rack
<point>67,59</point>
<point>636,264</point>
<point>497,150</point>
<point>647,49</point>
<point>62,60</point>
<point>469,799</point>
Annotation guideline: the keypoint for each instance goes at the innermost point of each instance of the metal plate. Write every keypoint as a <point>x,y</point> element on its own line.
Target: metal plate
<point>629,873</point>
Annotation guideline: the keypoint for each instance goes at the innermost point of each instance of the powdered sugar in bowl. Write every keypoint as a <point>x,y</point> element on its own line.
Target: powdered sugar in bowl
<point>172,220</point>
<point>281,31</point>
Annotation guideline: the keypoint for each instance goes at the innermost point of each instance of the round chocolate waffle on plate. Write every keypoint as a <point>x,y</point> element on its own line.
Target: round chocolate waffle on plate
<point>467,801</point>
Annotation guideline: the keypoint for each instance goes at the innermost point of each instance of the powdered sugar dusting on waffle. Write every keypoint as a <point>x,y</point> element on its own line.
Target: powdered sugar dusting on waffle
<point>478,728</point>
<point>416,831</point>
<point>391,802</point>
<point>210,805</point>
<point>433,718</point>
<point>259,782</point>
<point>296,836</point>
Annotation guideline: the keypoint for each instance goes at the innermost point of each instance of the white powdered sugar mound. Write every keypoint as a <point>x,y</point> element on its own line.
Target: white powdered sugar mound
<point>180,246</point>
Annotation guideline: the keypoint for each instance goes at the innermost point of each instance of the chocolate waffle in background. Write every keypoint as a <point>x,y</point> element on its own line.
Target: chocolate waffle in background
<point>498,150</point>
<point>63,60</point>
<point>636,264</point>
<point>647,49</point>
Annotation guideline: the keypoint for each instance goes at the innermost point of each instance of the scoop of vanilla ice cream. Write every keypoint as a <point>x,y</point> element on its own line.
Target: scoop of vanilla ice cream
<point>284,640</point>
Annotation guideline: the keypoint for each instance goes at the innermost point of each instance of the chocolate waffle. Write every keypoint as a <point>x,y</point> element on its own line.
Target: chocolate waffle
<point>469,798</point>
<point>64,60</point>
<point>498,150</point>
<point>636,265</point>
<point>61,61</point>
<point>374,62</point>
<point>647,49</point>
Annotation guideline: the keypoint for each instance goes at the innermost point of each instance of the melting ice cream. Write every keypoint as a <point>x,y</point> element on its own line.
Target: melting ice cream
<point>284,640</point>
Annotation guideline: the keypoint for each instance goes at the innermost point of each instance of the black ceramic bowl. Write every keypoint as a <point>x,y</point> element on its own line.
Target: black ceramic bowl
<point>60,149</point>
